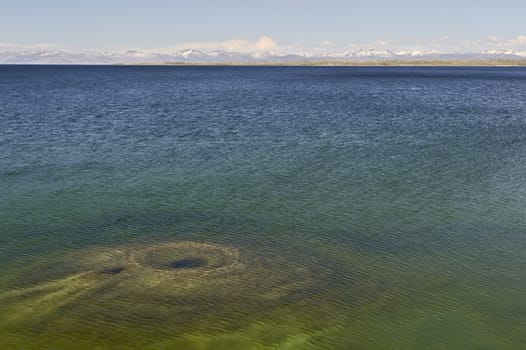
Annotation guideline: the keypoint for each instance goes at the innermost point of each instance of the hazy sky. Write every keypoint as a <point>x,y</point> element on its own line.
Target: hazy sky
<point>275,25</point>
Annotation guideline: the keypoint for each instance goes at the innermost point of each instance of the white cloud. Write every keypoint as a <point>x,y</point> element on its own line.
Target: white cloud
<point>8,46</point>
<point>37,46</point>
<point>264,43</point>
<point>518,42</point>
<point>47,46</point>
<point>493,39</point>
<point>380,42</point>
<point>448,44</point>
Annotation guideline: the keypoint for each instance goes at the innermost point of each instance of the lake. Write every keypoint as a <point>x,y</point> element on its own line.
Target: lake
<point>262,207</point>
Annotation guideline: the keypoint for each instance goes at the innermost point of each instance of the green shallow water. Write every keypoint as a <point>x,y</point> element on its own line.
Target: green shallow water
<point>262,208</point>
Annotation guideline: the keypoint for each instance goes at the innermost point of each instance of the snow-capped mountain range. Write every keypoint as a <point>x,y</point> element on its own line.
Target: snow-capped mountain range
<point>222,56</point>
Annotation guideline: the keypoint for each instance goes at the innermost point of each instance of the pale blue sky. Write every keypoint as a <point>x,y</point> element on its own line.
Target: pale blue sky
<point>286,25</point>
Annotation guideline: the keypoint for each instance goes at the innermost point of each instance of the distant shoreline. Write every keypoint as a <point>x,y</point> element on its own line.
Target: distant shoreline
<point>387,63</point>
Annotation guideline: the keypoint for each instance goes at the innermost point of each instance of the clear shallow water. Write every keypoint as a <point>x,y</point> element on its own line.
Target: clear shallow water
<point>370,207</point>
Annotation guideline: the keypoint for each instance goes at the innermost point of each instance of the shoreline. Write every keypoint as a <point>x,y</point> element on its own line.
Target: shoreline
<point>393,63</point>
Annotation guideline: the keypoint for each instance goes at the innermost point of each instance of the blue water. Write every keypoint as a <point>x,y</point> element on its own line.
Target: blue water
<point>393,196</point>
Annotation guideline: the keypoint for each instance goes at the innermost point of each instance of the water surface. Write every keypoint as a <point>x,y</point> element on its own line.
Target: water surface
<point>370,207</point>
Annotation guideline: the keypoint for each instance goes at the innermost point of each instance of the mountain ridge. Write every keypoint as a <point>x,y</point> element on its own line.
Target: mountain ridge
<point>45,56</point>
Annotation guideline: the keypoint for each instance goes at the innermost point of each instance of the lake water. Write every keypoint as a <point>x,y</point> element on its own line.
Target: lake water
<point>262,207</point>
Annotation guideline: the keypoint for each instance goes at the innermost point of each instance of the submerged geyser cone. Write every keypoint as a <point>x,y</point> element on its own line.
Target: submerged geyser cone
<point>179,257</point>
<point>188,263</point>
<point>173,281</point>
